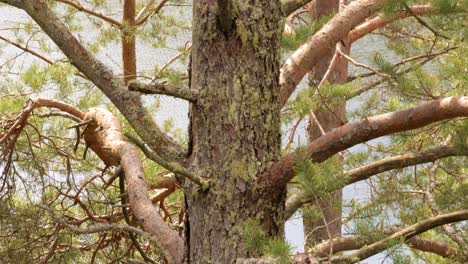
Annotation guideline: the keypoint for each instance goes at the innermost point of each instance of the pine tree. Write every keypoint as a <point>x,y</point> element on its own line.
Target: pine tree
<point>89,176</point>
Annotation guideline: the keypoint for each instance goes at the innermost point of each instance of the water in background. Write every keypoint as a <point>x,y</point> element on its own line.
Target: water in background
<point>177,110</point>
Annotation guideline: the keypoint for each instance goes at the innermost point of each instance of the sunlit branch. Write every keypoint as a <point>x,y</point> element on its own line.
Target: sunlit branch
<point>338,28</point>
<point>354,133</point>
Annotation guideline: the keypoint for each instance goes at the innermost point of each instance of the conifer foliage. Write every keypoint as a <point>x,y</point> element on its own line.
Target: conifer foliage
<point>91,173</point>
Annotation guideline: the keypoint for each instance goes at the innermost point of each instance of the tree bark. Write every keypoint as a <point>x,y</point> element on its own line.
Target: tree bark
<point>233,138</point>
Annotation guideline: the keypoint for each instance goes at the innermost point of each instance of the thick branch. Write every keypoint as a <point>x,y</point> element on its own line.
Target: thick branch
<point>129,103</point>
<point>354,133</point>
<point>402,235</point>
<point>338,28</point>
<point>183,93</point>
<point>111,146</point>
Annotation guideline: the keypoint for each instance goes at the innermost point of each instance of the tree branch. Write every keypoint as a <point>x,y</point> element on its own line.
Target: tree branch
<point>356,242</point>
<point>402,161</point>
<point>128,41</point>
<point>174,167</point>
<point>111,146</point>
<point>97,228</point>
<point>402,235</point>
<point>354,133</point>
<point>183,93</point>
<point>338,28</point>
<point>81,8</point>
<point>381,21</point>
<point>289,6</point>
<point>128,103</point>
<point>299,199</point>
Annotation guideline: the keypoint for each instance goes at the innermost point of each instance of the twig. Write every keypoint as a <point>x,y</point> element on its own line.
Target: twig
<point>183,93</point>
<point>96,228</point>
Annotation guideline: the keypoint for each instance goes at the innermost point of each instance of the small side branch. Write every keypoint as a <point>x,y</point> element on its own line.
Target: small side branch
<point>81,8</point>
<point>97,228</point>
<point>174,167</point>
<point>183,93</point>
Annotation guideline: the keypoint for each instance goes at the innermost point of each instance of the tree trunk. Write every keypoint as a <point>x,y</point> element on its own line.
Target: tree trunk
<point>233,137</point>
<point>331,208</point>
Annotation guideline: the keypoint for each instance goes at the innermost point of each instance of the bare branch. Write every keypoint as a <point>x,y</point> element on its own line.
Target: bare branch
<point>97,228</point>
<point>26,49</point>
<point>143,16</point>
<point>183,93</point>
<point>111,146</point>
<point>354,133</point>
<point>402,161</point>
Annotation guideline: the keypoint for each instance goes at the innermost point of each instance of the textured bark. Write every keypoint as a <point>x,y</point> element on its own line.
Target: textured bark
<point>233,136</point>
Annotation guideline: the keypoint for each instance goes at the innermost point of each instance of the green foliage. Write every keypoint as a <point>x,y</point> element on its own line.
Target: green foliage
<point>318,179</point>
<point>257,241</point>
